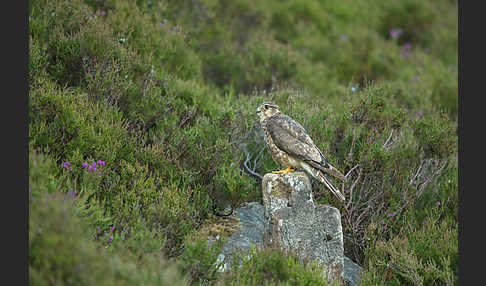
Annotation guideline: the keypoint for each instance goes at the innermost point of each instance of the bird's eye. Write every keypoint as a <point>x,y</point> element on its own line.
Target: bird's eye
<point>266,106</point>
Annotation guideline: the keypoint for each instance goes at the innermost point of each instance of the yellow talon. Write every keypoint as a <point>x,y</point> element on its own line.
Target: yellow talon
<point>285,171</point>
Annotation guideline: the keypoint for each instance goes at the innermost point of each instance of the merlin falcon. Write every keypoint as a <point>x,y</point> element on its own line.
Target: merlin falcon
<point>291,146</point>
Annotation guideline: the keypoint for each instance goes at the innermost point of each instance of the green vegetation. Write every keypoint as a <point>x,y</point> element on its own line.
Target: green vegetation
<point>274,267</point>
<point>164,94</point>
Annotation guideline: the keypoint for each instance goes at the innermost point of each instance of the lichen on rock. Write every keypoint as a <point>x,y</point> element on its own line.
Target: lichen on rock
<point>294,222</point>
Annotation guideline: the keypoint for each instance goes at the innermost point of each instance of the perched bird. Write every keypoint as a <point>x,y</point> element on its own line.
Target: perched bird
<point>291,146</point>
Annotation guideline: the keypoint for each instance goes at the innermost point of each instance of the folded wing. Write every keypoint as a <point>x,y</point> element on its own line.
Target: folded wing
<point>291,137</point>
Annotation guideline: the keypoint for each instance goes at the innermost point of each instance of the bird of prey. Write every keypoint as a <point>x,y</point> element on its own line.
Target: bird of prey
<point>291,146</point>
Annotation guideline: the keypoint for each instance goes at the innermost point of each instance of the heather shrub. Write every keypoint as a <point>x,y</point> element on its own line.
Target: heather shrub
<point>62,250</point>
<point>199,261</point>
<point>273,267</point>
<point>426,253</point>
<point>415,18</point>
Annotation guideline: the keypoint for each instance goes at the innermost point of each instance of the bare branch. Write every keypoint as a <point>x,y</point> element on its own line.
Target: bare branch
<point>352,186</point>
<point>389,137</point>
<point>417,173</point>
<point>350,154</point>
<point>257,158</point>
<point>351,171</point>
<point>252,172</point>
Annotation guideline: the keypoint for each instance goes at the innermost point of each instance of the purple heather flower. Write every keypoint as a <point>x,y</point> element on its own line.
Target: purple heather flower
<point>90,167</point>
<point>111,239</point>
<point>112,228</point>
<point>406,50</point>
<point>392,214</point>
<point>438,203</point>
<point>29,190</point>
<point>160,24</point>
<point>70,168</point>
<point>420,112</point>
<point>435,190</point>
<point>102,163</point>
<point>395,33</point>
<point>344,37</point>
<point>85,165</point>
<point>415,79</point>
<point>382,223</point>
<point>103,13</point>
<point>98,228</point>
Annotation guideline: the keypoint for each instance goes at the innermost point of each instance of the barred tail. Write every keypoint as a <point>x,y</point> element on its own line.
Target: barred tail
<point>317,174</point>
<point>334,172</point>
<point>328,169</point>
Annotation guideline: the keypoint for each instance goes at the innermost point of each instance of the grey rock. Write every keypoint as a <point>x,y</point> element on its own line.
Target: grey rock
<point>249,232</point>
<point>228,210</point>
<point>295,223</point>
<point>352,272</point>
<point>291,220</point>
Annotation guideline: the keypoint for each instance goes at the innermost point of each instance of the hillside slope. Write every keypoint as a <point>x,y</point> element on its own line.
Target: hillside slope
<point>152,104</point>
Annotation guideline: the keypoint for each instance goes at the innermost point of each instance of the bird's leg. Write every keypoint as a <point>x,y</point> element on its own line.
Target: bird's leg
<point>285,171</point>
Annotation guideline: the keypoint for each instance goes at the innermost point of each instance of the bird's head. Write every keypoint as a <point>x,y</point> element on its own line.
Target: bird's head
<point>267,109</point>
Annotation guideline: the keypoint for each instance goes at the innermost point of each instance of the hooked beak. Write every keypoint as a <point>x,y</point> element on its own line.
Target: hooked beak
<point>258,111</point>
